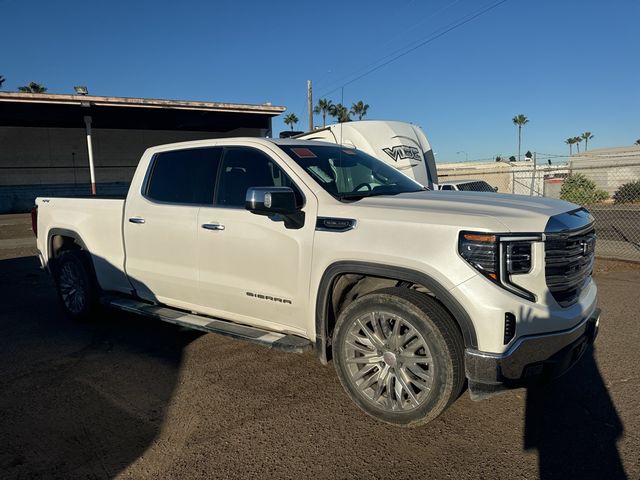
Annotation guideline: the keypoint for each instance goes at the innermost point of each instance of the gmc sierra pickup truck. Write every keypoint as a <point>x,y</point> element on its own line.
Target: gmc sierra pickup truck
<point>301,245</point>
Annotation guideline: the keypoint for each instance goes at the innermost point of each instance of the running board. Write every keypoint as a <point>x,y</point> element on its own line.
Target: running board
<point>277,341</point>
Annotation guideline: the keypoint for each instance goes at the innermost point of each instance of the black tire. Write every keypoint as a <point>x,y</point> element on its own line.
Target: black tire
<point>76,285</point>
<point>437,363</point>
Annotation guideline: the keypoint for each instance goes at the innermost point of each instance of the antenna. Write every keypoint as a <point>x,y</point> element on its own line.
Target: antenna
<point>341,146</point>
<point>341,103</point>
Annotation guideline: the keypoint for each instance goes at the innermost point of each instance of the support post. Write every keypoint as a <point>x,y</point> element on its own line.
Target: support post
<point>92,173</point>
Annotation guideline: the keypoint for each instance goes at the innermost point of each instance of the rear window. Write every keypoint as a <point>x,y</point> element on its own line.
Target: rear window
<point>184,176</point>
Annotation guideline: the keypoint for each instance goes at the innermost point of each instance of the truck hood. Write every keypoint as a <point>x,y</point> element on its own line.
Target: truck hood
<point>518,213</point>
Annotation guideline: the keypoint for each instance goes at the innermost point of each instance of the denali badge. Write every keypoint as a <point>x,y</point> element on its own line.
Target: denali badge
<point>269,297</point>
<point>400,152</point>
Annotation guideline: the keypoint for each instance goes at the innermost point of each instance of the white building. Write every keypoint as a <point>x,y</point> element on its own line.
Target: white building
<point>609,168</point>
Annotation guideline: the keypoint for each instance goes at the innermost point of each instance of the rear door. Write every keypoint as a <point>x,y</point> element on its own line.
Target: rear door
<point>252,269</point>
<point>160,224</point>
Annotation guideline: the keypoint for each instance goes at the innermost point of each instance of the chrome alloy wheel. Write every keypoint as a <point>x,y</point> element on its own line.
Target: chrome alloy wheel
<point>73,289</point>
<point>389,362</point>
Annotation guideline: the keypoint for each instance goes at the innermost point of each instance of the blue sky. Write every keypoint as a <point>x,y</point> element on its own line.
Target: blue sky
<point>568,65</point>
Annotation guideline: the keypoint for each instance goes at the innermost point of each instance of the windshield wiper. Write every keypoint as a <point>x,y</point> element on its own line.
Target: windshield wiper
<point>356,197</point>
<point>351,197</point>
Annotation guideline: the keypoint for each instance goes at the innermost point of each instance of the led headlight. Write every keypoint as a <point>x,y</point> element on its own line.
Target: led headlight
<point>498,257</point>
<point>481,251</point>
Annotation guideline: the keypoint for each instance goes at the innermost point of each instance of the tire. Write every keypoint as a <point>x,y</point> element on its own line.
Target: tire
<point>76,285</point>
<point>399,356</point>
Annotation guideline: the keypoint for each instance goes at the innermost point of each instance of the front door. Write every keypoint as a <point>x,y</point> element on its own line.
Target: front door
<point>253,270</point>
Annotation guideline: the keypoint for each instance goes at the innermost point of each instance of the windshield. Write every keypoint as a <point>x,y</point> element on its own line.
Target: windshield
<point>349,174</point>
<point>479,186</point>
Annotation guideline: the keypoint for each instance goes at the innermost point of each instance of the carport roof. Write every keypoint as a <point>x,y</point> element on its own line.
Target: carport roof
<point>58,110</point>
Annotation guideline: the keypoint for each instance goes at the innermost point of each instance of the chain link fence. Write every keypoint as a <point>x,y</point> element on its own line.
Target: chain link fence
<point>610,192</point>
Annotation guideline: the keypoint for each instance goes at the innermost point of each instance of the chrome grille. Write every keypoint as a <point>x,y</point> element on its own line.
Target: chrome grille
<point>569,261</point>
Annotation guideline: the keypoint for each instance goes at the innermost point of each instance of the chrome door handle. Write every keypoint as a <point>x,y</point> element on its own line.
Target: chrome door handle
<point>212,226</point>
<point>136,220</point>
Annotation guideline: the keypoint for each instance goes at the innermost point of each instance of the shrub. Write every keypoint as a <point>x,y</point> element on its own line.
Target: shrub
<point>577,188</point>
<point>628,193</point>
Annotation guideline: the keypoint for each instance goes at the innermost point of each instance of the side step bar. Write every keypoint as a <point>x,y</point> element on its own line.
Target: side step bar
<point>277,341</point>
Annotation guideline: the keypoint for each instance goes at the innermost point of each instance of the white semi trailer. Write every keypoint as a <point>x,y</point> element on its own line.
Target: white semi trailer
<point>402,145</point>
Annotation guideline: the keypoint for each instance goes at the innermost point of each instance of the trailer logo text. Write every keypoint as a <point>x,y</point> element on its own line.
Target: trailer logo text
<point>401,152</point>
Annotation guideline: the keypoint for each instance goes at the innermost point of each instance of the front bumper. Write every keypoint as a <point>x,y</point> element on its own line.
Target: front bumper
<point>530,359</point>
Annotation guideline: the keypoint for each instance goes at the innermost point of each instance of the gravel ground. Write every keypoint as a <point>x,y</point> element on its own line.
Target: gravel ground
<point>128,397</point>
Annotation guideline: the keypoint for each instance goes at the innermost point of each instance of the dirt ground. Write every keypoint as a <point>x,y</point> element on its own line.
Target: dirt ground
<point>129,397</point>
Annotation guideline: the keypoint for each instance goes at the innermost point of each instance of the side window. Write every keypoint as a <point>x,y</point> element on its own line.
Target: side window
<point>184,176</point>
<point>247,167</point>
<point>446,187</point>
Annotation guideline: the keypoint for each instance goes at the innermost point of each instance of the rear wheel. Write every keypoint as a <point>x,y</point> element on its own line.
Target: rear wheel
<point>76,284</point>
<point>399,356</point>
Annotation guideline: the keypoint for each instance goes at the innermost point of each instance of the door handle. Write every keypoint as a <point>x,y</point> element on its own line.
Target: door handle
<point>212,226</point>
<point>136,220</point>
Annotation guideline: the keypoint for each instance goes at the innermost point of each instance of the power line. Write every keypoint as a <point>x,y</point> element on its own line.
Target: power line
<point>338,81</point>
<point>432,38</point>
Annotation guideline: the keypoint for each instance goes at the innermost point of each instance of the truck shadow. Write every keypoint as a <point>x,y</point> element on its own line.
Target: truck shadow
<point>574,425</point>
<point>89,400</point>
<point>78,400</point>
<point>572,422</point>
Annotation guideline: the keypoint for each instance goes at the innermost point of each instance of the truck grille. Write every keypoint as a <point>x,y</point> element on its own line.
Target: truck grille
<point>569,261</point>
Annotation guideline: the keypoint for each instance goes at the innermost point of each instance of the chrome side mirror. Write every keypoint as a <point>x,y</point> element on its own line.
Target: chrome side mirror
<point>275,202</point>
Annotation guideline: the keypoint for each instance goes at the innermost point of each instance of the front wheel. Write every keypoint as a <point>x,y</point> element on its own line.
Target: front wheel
<point>76,285</point>
<point>399,356</point>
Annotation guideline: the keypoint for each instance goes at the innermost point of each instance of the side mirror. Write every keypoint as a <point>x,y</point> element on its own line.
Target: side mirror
<point>495,189</point>
<point>275,202</point>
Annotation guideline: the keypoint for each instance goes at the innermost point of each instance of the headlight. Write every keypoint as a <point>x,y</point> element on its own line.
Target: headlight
<point>499,256</point>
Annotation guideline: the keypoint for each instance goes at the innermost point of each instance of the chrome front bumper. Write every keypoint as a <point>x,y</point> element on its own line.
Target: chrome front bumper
<point>531,358</point>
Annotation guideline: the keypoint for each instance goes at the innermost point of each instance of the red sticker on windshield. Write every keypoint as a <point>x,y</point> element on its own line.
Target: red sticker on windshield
<point>303,153</point>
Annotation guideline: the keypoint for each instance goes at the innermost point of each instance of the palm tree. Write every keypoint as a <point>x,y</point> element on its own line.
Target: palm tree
<point>291,120</point>
<point>2,79</point>
<point>520,120</point>
<point>577,141</point>
<point>359,109</point>
<point>324,107</point>
<point>33,87</point>
<point>586,136</point>
<point>570,142</point>
<point>340,113</point>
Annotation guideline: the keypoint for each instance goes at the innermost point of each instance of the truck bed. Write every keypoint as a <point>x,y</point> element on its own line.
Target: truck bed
<point>98,223</point>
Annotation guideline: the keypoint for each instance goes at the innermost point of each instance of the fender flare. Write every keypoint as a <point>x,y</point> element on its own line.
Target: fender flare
<point>65,233</point>
<point>71,234</point>
<point>404,274</point>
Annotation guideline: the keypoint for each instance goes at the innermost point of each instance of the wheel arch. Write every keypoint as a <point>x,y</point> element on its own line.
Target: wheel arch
<point>62,239</point>
<point>398,274</point>
<point>63,233</point>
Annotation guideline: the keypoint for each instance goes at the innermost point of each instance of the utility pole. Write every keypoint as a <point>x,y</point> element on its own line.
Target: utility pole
<point>310,104</point>
<point>534,180</point>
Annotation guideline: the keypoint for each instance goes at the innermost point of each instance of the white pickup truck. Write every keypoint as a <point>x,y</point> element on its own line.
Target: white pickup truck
<point>303,245</point>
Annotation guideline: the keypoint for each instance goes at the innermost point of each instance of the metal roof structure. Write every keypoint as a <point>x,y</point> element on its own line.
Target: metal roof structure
<point>61,110</point>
